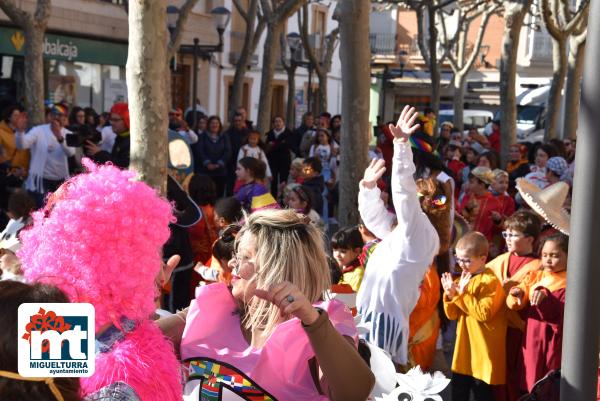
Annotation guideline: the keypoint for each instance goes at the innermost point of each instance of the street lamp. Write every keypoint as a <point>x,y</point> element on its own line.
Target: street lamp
<point>294,41</point>
<point>220,17</point>
<point>402,60</point>
<point>172,17</point>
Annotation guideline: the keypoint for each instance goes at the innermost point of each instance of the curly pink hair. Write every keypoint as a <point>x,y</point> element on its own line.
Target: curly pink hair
<point>99,239</point>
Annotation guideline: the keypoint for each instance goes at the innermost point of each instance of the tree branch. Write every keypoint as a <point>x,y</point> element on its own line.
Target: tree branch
<point>260,28</point>
<point>303,25</point>
<point>479,39</point>
<point>16,15</point>
<point>175,38</point>
<point>287,8</point>
<point>581,15</point>
<point>332,42</point>
<point>421,34</point>
<point>549,22</point>
<point>42,13</point>
<point>267,10</point>
<point>240,9</point>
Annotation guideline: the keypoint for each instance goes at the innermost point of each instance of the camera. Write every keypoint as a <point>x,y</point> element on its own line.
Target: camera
<point>80,134</point>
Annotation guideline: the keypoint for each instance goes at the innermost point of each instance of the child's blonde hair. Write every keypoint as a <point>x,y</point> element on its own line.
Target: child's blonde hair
<point>288,248</point>
<point>473,243</point>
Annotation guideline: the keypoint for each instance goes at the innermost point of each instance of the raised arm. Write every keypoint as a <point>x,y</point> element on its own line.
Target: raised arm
<point>370,206</point>
<point>404,189</point>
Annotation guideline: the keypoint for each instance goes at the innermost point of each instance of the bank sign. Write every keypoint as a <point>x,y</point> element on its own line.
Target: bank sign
<point>69,48</point>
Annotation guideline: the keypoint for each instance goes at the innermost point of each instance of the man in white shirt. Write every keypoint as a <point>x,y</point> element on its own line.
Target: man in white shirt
<point>49,166</point>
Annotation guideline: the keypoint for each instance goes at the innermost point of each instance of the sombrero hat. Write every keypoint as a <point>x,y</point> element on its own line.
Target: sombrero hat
<point>547,202</point>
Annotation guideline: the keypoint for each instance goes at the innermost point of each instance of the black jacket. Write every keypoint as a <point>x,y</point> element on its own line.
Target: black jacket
<point>316,186</point>
<point>119,156</point>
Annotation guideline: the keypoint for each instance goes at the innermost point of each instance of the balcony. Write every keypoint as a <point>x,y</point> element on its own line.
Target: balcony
<point>383,44</point>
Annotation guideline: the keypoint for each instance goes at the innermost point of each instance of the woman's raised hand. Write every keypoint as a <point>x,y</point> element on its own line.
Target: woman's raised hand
<point>405,126</point>
<point>291,301</point>
<point>373,173</point>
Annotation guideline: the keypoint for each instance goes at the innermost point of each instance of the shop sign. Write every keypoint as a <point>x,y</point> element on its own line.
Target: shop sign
<point>69,48</point>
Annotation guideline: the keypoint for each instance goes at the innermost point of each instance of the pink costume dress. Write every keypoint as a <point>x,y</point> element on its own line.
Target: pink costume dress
<point>222,366</point>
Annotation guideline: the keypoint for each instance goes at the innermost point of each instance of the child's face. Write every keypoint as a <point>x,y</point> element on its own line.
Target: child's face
<point>554,259</point>
<point>500,184</point>
<point>470,156</point>
<point>220,222</point>
<point>323,138</point>
<point>294,201</point>
<point>475,186</point>
<point>296,171</point>
<point>344,257</point>
<point>253,140</point>
<point>242,173</point>
<point>469,262</point>
<point>484,162</point>
<point>518,242</point>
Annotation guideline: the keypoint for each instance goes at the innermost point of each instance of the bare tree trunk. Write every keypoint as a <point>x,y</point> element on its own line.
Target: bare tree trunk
<point>353,20</point>
<point>290,112</point>
<point>434,68</point>
<point>270,54</point>
<point>275,14</point>
<point>322,92</point>
<point>34,75</point>
<point>34,27</point>
<point>514,14</point>
<point>458,82</point>
<point>573,88</point>
<point>253,34</point>
<point>146,69</point>
<point>559,63</point>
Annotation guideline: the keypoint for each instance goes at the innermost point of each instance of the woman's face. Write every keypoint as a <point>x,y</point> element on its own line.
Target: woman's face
<point>484,162</point>
<point>515,155</point>
<point>215,126</point>
<point>14,117</point>
<point>294,201</point>
<point>80,117</point>
<point>554,259</point>
<point>278,123</point>
<point>243,267</point>
<point>336,123</point>
<point>541,158</point>
<point>202,124</point>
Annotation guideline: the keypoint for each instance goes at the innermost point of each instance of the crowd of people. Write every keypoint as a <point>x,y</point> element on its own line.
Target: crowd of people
<point>241,284</point>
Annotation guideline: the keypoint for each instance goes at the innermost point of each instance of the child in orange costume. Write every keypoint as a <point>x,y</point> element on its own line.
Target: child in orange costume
<point>424,322</point>
<point>541,296</point>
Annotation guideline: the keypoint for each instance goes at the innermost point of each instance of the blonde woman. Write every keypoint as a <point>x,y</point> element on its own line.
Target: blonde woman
<point>270,334</point>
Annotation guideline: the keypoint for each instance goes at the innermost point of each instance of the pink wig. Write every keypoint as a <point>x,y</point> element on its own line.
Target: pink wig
<point>99,239</point>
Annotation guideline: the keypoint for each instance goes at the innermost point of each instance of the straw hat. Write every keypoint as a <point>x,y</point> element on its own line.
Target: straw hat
<point>547,202</point>
<point>484,174</point>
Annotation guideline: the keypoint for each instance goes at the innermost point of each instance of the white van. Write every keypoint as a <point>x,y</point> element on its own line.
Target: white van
<point>471,118</point>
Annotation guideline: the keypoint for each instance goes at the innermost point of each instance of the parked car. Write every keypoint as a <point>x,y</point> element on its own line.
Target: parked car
<point>471,118</point>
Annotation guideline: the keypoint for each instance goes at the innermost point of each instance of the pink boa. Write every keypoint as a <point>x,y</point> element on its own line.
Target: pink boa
<point>144,360</point>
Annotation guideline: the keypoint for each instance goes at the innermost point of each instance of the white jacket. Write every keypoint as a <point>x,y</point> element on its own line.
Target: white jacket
<point>390,287</point>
